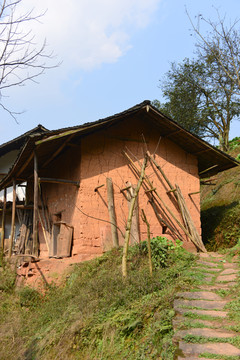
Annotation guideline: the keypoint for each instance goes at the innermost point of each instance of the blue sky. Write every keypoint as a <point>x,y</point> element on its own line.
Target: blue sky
<point>113,54</point>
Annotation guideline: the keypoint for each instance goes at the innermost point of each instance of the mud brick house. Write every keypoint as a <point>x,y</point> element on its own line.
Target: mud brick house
<point>80,181</point>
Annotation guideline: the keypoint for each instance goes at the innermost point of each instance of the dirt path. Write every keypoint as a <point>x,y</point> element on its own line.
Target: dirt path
<point>203,329</point>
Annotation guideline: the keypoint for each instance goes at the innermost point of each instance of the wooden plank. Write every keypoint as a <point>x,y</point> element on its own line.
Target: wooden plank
<point>13,218</point>
<point>111,211</point>
<point>59,181</point>
<point>3,217</point>
<point>35,207</point>
<point>64,243</point>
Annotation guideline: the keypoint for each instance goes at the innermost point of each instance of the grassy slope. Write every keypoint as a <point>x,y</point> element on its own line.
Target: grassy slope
<point>94,314</point>
<point>220,206</point>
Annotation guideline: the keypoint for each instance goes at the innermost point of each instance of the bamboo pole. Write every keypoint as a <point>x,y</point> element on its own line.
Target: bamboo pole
<point>3,218</point>
<point>129,220</point>
<point>35,207</point>
<point>13,219</point>
<point>161,171</point>
<point>162,221</point>
<point>144,218</point>
<point>111,211</point>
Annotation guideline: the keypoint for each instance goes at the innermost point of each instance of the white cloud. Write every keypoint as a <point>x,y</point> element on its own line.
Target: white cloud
<point>87,33</point>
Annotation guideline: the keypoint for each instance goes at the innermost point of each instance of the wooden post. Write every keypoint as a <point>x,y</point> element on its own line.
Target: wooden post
<point>35,207</point>
<point>3,218</point>
<point>13,218</point>
<point>112,214</point>
<point>129,220</point>
<point>134,234</point>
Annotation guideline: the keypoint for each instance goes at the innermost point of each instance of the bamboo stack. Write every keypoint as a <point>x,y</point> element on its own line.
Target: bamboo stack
<point>170,219</point>
<point>186,216</point>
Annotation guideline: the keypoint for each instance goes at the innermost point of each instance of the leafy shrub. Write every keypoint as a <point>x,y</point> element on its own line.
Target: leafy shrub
<point>160,250</point>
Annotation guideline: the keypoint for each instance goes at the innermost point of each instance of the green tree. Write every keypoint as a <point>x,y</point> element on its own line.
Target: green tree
<point>202,94</point>
<point>201,97</point>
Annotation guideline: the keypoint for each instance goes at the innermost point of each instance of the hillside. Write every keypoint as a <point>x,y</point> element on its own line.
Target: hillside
<point>94,314</point>
<point>220,206</point>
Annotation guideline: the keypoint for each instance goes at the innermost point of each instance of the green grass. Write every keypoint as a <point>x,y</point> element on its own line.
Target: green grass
<point>218,357</point>
<point>235,341</point>
<point>94,314</point>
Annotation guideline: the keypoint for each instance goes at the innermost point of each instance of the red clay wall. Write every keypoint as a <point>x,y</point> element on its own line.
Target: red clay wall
<point>98,157</point>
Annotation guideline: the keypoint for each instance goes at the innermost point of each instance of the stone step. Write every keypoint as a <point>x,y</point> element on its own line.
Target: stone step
<point>203,304</point>
<point>200,295</point>
<point>219,286</point>
<point>211,255</point>
<point>184,321</point>
<point>208,264</point>
<point>229,271</point>
<point>228,278</point>
<point>230,266</point>
<point>220,314</point>
<point>206,332</point>
<point>212,348</point>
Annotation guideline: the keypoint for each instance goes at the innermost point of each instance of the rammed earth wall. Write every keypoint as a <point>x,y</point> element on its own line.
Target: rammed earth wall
<point>98,156</point>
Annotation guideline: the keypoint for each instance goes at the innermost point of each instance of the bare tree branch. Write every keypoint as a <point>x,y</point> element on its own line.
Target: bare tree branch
<point>21,59</point>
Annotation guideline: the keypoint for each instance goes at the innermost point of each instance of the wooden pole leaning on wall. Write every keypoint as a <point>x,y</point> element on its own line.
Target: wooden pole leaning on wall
<point>129,220</point>
<point>35,207</point>
<point>111,211</point>
<point>13,218</point>
<point>3,218</point>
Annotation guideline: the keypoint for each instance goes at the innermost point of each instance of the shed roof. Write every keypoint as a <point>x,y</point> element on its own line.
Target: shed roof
<point>17,143</point>
<point>210,159</point>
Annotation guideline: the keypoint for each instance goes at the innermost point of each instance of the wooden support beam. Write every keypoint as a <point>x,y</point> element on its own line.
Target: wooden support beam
<point>98,187</point>
<point>208,169</point>
<point>13,218</point>
<point>59,149</point>
<point>201,151</point>
<point>59,181</point>
<point>193,193</point>
<point>35,207</point>
<point>3,217</point>
<point>74,145</point>
<point>126,188</point>
<point>173,133</point>
<point>25,165</point>
<point>58,136</point>
<point>172,190</point>
<point>23,207</point>
<point>111,211</point>
<point>150,190</point>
